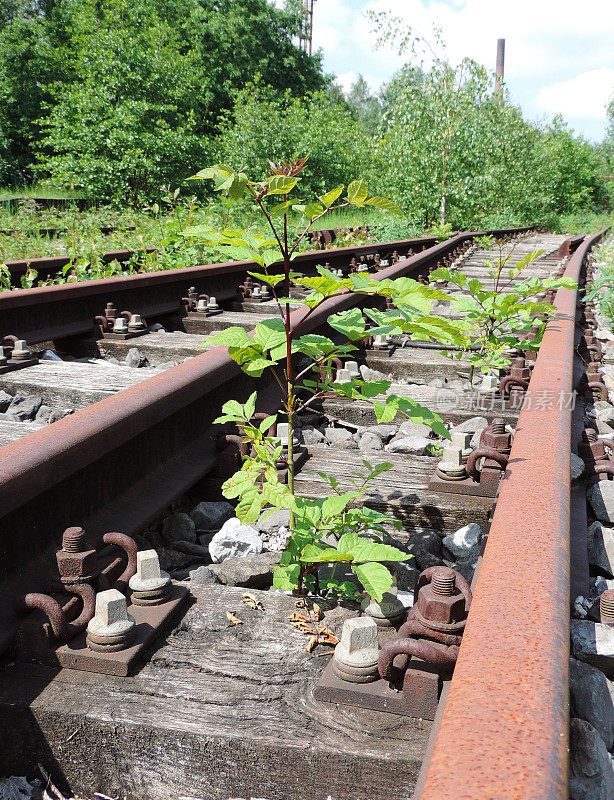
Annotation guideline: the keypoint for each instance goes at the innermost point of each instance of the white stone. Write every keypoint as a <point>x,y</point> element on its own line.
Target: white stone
<point>370,441</point>
<point>338,434</point>
<point>312,435</point>
<point>235,539</point>
<point>49,355</point>
<point>273,519</point>
<point>471,425</point>
<point>358,646</point>
<point>135,358</point>
<point>409,428</point>
<point>601,548</point>
<point>388,608</point>
<point>385,431</point>
<point>593,643</point>
<point>464,544</point>
<point>409,445</point>
<point>368,374</point>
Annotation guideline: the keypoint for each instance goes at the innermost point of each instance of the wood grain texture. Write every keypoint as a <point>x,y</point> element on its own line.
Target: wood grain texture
<point>70,383</point>
<point>219,711</point>
<point>402,491</point>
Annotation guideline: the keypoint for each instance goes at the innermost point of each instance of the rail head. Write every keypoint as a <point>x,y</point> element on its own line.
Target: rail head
<point>504,728</point>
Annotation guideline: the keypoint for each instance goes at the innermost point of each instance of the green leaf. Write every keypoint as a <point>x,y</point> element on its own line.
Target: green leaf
<point>351,323</point>
<point>270,333</point>
<point>314,345</point>
<point>286,577</point>
<point>366,550</point>
<point>357,192</point>
<point>280,208</point>
<point>250,504</point>
<point>384,203</point>
<point>266,423</point>
<point>375,578</point>
<point>233,411</point>
<point>312,210</point>
<point>308,512</point>
<point>256,366</point>
<point>329,198</point>
<point>336,504</point>
<point>281,184</point>
<point>312,554</point>
<point>250,405</point>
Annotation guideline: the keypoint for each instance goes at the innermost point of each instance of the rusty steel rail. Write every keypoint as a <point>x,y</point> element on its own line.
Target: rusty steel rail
<point>53,312</point>
<point>47,266</point>
<point>47,313</point>
<point>504,728</point>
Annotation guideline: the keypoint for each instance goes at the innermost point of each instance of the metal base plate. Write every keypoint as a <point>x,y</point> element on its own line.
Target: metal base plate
<point>11,366</point>
<point>467,487</point>
<point>122,337</point>
<point>419,699</point>
<point>149,621</point>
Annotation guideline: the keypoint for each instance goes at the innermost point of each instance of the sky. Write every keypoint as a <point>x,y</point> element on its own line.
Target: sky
<point>559,55</point>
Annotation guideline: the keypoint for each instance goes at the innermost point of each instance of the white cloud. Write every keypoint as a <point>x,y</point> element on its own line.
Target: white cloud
<point>584,96</point>
<point>549,44</point>
<point>347,79</point>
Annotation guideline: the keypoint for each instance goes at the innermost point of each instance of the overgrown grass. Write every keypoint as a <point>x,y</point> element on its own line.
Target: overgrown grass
<point>29,230</point>
<point>40,192</point>
<point>579,222</point>
<point>603,288</point>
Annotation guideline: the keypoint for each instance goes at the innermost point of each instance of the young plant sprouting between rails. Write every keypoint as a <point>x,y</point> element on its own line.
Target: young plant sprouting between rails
<point>495,314</point>
<point>332,530</point>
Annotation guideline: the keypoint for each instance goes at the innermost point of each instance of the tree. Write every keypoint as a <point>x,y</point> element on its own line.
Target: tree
<point>365,106</point>
<point>262,126</point>
<point>132,69</point>
<point>568,169</point>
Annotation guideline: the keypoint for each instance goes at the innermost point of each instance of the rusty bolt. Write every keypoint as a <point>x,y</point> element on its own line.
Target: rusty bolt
<point>590,447</point>
<point>440,602</point>
<point>606,607</point>
<point>496,437</point>
<point>519,370</point>
<point>76,560</point>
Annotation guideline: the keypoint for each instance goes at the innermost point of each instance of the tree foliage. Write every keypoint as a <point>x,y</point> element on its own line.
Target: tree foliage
<point>263,125</point>
<point>120,96</point>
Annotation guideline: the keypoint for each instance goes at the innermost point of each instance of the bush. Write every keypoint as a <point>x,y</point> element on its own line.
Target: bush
<point>263,127</point>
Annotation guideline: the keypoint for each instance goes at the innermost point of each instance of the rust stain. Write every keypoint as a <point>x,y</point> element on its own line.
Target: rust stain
<point>504,730</point>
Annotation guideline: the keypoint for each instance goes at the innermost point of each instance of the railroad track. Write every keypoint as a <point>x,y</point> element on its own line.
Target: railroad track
<point>144,447</point>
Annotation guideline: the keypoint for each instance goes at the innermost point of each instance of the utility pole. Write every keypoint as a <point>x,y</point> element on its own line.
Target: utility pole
<point>307,26</point>
<point>500,66</point>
